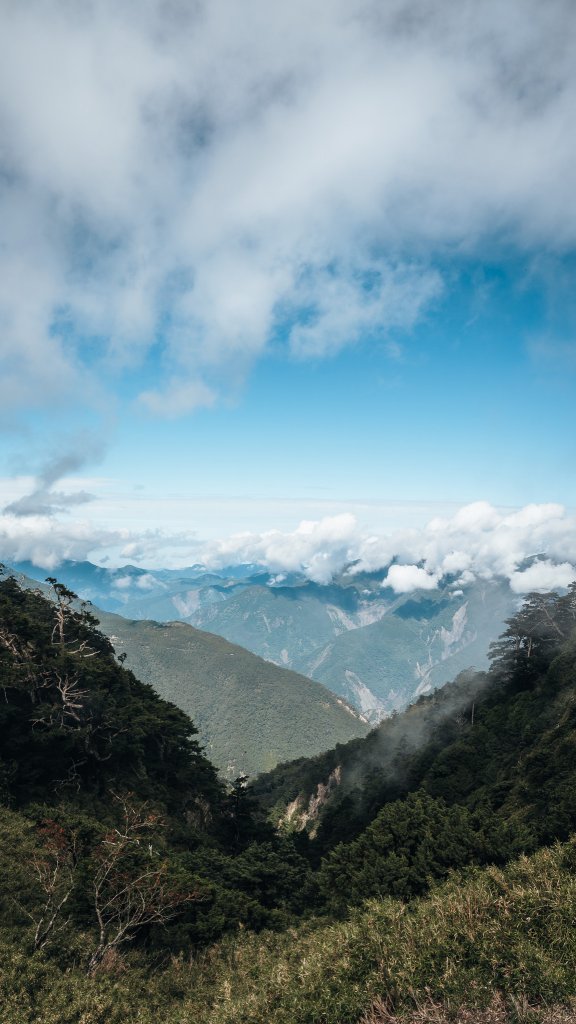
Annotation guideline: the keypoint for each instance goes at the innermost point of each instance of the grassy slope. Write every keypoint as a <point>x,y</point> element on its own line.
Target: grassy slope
<point>250,714</point>
<point>498,936</point>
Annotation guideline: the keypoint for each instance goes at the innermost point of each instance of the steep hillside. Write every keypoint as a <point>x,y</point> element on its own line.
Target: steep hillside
<point>503,741</point>
<point>250,714</point>
<point>423,641</point>
<point>114,823</point>
<point>377,649</point>
<point>496,948</point>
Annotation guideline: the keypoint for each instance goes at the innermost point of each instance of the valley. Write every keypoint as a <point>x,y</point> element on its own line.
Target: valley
<point>429,863</point>
<point>375,649</point>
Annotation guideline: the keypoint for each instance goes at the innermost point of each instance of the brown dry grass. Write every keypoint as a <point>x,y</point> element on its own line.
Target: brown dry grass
<point>499,1012</point>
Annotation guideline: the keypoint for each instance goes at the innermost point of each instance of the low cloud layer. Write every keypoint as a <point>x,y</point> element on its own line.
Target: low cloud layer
<point>320,549</point>
<point>534,548</point>
<point>478,542</point>
<point>183,185</point>
<point>46,542</point>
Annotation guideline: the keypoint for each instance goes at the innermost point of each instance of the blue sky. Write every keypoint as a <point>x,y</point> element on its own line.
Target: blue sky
<point>262,265</point>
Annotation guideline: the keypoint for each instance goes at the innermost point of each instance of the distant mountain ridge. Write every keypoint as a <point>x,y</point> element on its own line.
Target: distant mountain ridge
<point>377,649</point>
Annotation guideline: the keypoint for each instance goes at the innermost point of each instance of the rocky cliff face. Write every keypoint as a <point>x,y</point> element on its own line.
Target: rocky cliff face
<point>301,814</point>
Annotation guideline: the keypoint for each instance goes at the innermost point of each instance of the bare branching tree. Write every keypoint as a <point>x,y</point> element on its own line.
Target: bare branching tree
<point>55,869</point>
<point>132,884</point>
<point>68,701</point>
<point>64,614</point>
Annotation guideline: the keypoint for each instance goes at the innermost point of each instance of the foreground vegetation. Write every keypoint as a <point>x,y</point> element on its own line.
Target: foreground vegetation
<point>498,940</point>
<point>136,887</point>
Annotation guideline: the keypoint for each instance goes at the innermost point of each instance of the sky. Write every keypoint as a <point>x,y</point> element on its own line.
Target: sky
<point>288,282</point>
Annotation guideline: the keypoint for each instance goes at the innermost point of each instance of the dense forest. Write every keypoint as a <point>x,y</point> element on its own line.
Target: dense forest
<point>413,868</point>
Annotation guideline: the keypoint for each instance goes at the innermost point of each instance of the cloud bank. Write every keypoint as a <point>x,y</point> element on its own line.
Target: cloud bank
<point>478,542</point>
<point>184,185</point>
<point>534,548</point>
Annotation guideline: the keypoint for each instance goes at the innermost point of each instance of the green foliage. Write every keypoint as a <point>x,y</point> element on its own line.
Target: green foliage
<point>374,770</point>
<point>502,742</point>
<point>129,836</point>
<point>251,713</point>
<point>75,723</point>
<point>410,844</point>
<point>499,932</point>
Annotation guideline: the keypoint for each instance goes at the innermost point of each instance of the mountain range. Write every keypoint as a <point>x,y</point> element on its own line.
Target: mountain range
<point>376,649</point>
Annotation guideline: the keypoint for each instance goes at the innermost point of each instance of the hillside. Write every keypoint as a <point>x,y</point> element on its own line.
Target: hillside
<point>249,713</point>
<point>376,649</point>
<point>496,948</point>
<point>114,823</point>
<point>503,740</point>
<point>423,641</point>
<point>133,883</point>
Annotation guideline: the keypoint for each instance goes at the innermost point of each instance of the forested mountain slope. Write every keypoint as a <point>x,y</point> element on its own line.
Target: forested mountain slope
<point>249,713</point>
<point>504,740</point>
<point>377,649</point>
<point>113,820</point>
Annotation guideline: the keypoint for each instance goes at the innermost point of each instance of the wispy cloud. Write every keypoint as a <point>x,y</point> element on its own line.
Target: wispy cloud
<point>42,500</point>
<point>178,179</point>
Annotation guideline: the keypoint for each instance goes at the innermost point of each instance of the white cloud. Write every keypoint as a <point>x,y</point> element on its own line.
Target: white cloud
<point>341,310</point>
<point>543,576</point>
<point>176,177</point>
<point>178,398</point>
<point>122,582</point>
<point>477,542</point>
<point>319,549</point>
<point>147,582</point>
<point>405,578</point>
<point>534,548</point>
<point>46,541</point>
